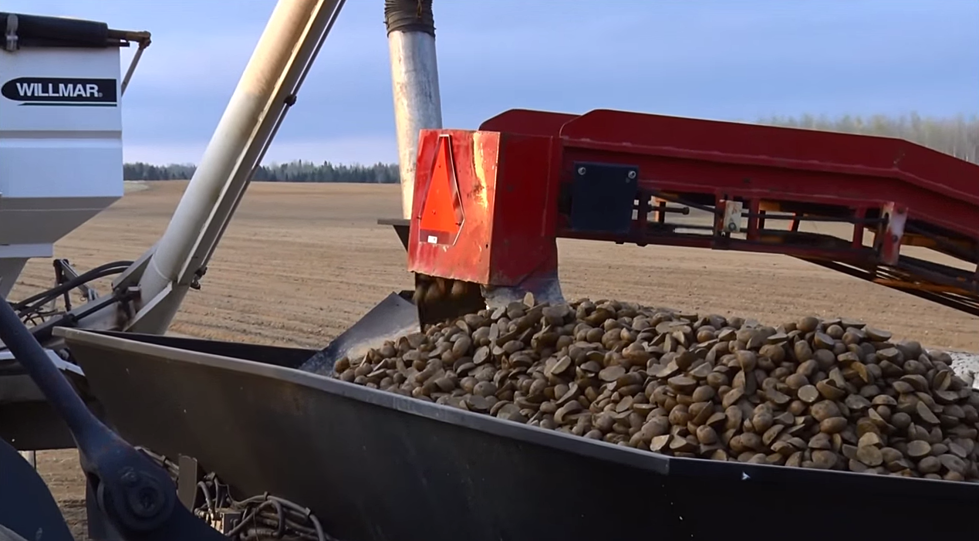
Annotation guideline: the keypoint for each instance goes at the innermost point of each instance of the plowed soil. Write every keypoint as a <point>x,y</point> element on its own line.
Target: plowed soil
<point>301,262</point>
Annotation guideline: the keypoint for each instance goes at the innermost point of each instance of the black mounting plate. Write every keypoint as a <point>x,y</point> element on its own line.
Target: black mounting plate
<point>603,197</point>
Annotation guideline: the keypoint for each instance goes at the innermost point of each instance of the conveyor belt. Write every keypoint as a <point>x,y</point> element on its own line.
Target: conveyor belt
<point>850,203</point>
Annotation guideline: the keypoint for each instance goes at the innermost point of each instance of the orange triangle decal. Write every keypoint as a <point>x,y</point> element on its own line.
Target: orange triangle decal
<point>441,213</point>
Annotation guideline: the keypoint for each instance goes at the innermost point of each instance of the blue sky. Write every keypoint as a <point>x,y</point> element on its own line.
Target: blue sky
<point>722,59</point>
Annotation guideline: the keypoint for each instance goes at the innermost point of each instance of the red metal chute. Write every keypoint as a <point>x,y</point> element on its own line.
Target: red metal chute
<point>528,177</point>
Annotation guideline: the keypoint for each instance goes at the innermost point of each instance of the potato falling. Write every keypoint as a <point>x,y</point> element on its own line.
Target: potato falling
<point>815,393</point>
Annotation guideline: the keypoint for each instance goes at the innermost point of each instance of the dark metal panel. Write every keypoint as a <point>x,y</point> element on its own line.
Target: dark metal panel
<point>274,355</point>
<point>603,197</point>
<point>34,426</point>
<point>41,31</point>
<point>378,466</point>
<point>29,422</point>
<point>26,505</point>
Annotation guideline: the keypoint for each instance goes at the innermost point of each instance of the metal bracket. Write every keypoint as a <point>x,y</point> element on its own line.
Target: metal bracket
<point>10,43</point>
<point>401,226</point>
<point>603,197</point>
<point>190,473</point>
<point>195,281</point>
<point>144,42</point>
<point>733,213</point>
<point>227,520</point>
<point>64,272</point>
<point>890,244</point>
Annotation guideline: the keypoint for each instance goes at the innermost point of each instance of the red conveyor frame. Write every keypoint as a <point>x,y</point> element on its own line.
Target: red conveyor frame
<point>512,186</point>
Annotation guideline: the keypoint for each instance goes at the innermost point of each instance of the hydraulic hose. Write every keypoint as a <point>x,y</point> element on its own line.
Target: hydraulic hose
<point>101,271</point>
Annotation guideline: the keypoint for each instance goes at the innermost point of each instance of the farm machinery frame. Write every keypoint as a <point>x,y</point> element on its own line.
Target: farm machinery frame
<point>527,178</point>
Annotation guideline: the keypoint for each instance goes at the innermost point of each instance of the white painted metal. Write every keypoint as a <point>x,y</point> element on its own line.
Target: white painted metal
<point>417,103</point>
<point>281,58</point>
<point>10,269</point>
<point>60,154</point>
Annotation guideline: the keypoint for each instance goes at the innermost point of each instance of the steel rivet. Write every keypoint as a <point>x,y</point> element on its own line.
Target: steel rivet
<point>581,170</point>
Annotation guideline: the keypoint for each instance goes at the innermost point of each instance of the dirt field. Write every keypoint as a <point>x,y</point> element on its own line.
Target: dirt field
<point>300,262</point>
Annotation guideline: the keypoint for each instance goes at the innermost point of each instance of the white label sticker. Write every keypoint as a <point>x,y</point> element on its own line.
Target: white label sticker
<point>433,239</point>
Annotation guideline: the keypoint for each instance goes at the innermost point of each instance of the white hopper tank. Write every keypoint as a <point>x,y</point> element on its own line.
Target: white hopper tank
<point>60,133</point>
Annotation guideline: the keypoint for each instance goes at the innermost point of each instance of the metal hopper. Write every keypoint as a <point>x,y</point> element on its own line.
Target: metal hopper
<point>378,466</point>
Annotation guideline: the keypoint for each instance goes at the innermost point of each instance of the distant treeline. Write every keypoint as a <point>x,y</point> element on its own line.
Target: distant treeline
<point>297,171</point>
<point>958,136</point>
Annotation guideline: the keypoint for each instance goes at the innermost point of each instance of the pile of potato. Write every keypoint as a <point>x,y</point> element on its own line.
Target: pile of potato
<point>813,393</point>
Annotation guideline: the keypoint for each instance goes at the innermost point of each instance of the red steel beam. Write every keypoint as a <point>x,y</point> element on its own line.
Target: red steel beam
<point>513,177</point>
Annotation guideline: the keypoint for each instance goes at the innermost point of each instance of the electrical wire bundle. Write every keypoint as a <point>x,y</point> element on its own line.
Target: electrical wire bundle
<point>260,517</point>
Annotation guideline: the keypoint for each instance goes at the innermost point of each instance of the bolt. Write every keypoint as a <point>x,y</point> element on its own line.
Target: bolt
<point>632,175</point>
<point>129,477</point>
<point>146,501</point>
<point>581,170</point>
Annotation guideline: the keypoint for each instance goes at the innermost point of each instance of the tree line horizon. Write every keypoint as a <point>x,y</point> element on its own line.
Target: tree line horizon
<point>957,136</point>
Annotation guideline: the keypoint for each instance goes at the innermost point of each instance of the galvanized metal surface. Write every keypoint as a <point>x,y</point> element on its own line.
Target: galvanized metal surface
<point>417,102</point>
<point>392,318</point>
<point>378,466</point>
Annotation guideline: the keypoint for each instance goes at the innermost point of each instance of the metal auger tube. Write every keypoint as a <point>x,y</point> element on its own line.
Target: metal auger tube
<point>268,87</point>
<point>415,82</point>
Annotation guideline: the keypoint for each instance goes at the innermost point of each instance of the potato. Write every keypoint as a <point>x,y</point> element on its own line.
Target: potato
<point>814,393</point>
